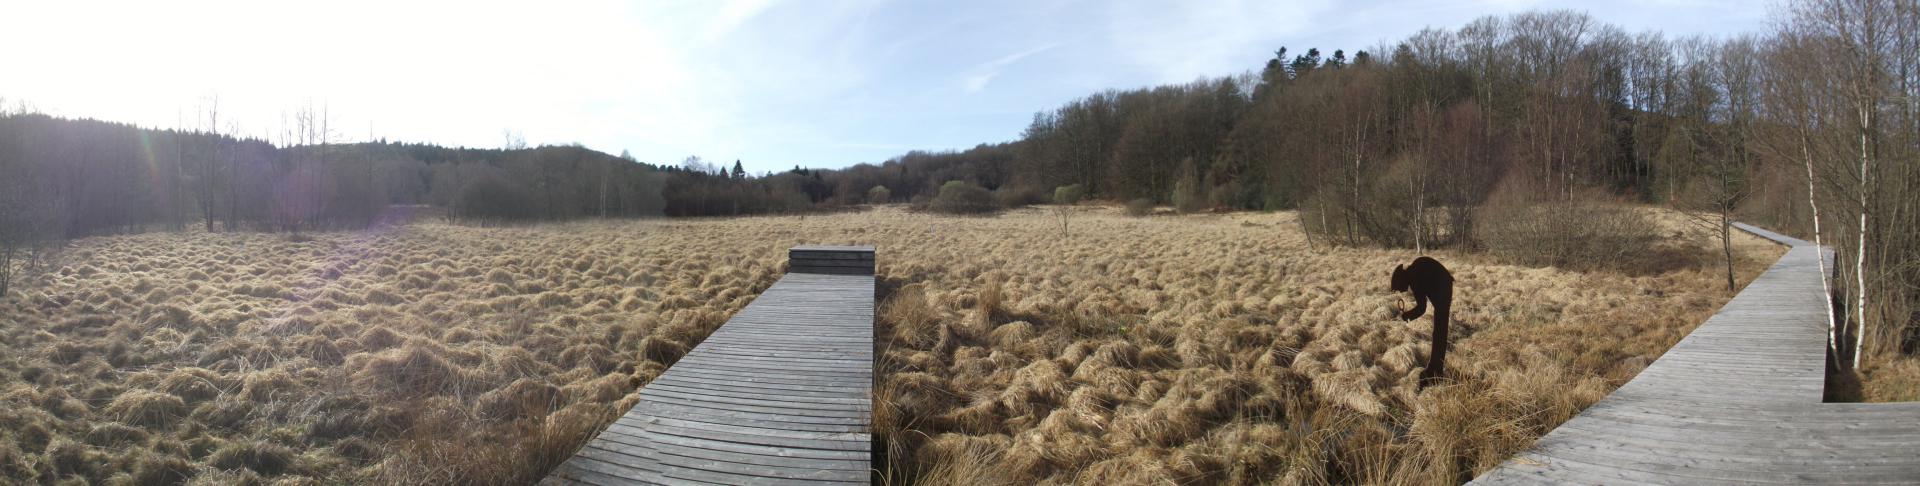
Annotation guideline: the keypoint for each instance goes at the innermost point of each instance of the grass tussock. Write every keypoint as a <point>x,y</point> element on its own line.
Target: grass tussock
<point>146,408</point>
<point>1190,349</point>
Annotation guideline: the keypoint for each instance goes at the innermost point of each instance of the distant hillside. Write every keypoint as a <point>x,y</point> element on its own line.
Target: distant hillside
<point>69,177</point>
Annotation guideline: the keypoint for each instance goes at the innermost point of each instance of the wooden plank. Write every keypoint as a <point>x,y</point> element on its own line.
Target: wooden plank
<point>760,439</point>
<point>790,397</point>
<point>762,450</point>
<point>803,412</point>
<point>691,379</point>
<point>821,347</point>
<point>862,354</point>
<point>834,262</point>
<point>858,467</point>
<point>579,471</point>
<point>685,474</point>
<point>830,270</point>
<point>785,390</point>
<point>769,378</point>
<point>626,459</point>
<point>778,404</point>
<point>814,256</point>
<point>603,472</point>
<point>750,367</point>
<point>869,249</point>
<point>758,419</point>
<point>745,465</point>
<point>821,363</point>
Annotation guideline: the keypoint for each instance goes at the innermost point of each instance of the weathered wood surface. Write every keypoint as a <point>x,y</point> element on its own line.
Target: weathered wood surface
<point>780,394</point>
<point>843,260</point>
<point>1738,401</point>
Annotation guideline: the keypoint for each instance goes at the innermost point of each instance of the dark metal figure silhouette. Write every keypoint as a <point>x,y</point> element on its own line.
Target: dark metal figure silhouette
<point>1428,280</point>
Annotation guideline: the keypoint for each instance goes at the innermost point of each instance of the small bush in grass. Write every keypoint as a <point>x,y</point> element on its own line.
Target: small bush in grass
<point>1140,207</point>
<point>879,195</point>
<point>1188,197</point>
<point>959,197</point>
<point>1069,194</point>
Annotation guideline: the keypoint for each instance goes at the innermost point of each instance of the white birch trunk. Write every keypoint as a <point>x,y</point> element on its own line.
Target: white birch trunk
<point>1826,287</point>
<point>1860,253</point>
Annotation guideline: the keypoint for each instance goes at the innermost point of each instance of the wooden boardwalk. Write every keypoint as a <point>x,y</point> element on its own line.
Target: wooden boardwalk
<point>1738,401</point>
<point>780,394</point>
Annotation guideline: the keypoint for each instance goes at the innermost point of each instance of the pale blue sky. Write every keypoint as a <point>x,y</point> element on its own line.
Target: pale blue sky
<point>773,83</point>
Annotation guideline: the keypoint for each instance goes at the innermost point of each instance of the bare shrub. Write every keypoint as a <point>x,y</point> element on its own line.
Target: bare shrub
<point>1011,197</point>
<point>1379,214</point>
<point>1579,233</point>
<point>1140,207</point>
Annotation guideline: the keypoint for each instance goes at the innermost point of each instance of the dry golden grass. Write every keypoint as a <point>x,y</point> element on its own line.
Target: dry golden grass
<point>422,355</point>
<point>1218,349</point>
<point>1192,349</point>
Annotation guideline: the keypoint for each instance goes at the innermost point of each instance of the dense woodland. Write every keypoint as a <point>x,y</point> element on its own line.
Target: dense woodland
<point>1407,144</point>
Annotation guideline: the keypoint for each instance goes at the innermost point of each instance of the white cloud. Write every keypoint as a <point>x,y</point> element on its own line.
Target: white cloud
<point>731,15</point>
<point>986,71</point>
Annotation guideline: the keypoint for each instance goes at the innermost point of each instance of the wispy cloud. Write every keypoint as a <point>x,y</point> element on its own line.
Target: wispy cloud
<point>984,73</point>
<point>731,15</point>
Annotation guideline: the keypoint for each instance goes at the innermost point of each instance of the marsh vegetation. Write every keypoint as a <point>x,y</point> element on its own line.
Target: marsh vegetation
<point>1168,348</point>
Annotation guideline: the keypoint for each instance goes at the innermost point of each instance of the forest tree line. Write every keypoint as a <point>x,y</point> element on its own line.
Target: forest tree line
<point>68,178</point>
<point>1406,144</point>
<point>1532,117</point>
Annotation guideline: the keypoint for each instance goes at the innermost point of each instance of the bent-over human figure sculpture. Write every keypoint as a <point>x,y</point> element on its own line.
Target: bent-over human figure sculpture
<point>1427,279</point>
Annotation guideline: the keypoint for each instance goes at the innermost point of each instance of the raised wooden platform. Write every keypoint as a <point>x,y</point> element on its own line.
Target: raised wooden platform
<point>1738,401</point>
<point>780,394</point>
